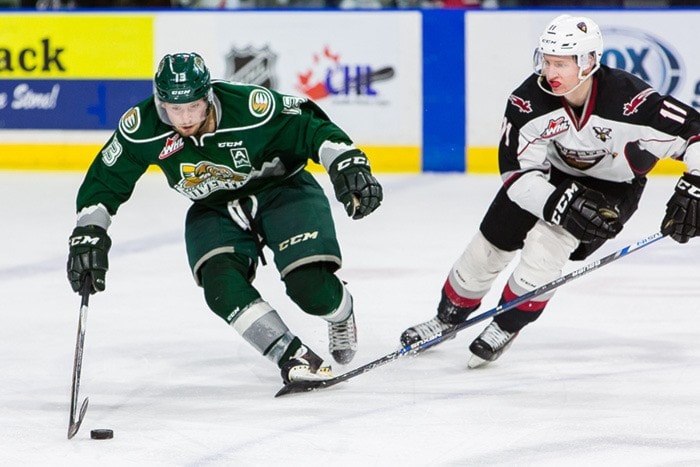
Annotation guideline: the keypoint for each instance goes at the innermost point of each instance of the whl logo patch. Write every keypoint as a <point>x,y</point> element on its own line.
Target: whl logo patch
<point>172,145</point>
<point>555,127</point>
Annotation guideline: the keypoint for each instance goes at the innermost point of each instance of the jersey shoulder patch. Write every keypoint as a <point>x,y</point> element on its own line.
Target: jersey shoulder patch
<point>260,102</point>
<point>130,122</point>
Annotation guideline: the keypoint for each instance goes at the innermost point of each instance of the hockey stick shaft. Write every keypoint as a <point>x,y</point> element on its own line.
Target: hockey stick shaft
<point>304,386</point>
<point>548,287</point>
<point>77,418</point>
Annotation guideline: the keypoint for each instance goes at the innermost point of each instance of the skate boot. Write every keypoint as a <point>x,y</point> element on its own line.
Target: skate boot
<point>490,344</point>
<point>448,315</point>
<point>342,340</point>
<point>424,331</point>
<point>305,365</point>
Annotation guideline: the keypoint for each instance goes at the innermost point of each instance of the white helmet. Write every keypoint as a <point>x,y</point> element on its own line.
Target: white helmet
<point>572,35</point>
<point>568,35</point>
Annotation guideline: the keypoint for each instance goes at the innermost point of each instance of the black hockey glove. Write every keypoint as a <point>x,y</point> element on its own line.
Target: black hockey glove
<point>88,248</point>
<point>354,184</point>
<point>681,221</point>
<point>583,212</point>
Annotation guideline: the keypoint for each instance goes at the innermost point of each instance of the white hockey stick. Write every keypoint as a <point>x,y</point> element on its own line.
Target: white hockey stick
<point>74,423</point>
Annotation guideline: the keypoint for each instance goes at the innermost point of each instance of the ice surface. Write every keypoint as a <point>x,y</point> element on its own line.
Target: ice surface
<point>609,375</point>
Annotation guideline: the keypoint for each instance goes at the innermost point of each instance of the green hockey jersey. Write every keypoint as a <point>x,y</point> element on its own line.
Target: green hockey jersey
<point>261,138</point>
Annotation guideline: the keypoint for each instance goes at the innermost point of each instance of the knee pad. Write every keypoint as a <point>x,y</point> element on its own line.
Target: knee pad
<point>317,291</point>
<point>547,249</point>
<point>475,270</point>
<point>227,289</point>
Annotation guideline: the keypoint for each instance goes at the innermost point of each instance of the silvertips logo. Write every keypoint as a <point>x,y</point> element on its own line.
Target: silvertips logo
<point>644,55</point>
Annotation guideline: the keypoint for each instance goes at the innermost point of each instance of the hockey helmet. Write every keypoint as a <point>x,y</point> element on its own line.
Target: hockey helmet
<point>568,35</point>
<point>182,78</point>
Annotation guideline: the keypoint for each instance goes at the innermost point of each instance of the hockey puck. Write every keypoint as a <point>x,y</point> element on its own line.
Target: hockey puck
<point>101,434</point>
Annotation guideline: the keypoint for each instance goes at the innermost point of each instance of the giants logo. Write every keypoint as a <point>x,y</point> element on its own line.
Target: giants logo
<point>629,108</point>
<point>522,105</point>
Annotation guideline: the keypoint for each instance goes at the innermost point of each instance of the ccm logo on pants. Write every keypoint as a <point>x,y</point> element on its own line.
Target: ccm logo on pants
<point>298,239</point>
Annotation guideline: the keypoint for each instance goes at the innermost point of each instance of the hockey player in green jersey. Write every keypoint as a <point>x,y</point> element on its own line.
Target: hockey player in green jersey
<point>239,152</point>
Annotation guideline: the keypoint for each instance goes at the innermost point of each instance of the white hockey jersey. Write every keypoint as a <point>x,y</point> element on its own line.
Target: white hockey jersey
<point>621,132</point>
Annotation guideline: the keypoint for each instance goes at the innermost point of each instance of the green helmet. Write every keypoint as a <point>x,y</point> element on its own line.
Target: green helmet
<point>182,78</point>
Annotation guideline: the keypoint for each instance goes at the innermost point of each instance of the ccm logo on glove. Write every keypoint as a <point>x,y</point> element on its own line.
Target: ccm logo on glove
<point>84,240</point>
<point>357,160</point>
<point>563,204</point>
<point>689,188</point>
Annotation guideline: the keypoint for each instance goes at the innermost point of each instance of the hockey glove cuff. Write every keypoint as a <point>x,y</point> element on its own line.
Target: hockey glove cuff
<point>681,221</point>
<point>88,249</point>
<point>354,184</point>
<point>583,212</point>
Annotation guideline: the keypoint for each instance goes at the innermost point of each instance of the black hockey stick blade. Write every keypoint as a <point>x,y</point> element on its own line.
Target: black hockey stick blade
<point>303,386</point>
<point>306,386</point>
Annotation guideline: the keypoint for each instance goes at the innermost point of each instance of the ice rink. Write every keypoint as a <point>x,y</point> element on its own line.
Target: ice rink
<point>609,375</point>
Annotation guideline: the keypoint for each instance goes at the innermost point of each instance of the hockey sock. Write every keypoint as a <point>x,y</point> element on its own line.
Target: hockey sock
<point>522,315</point>
<point>227,289</point>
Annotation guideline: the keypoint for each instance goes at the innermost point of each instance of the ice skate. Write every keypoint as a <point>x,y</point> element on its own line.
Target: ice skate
<point>448,315</point>
<point>305,365</point>
<point>490,344</point>
<point>342,340</point>
<point>424,331</point>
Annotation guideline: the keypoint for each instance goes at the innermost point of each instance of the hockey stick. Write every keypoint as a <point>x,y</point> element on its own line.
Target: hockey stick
<point>304,386</point>
<point>74,425</point>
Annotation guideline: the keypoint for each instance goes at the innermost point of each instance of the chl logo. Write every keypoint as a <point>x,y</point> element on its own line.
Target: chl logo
<point>298,239</point>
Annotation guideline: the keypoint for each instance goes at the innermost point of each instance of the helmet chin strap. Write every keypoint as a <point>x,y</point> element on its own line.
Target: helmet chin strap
<point>582,79</point>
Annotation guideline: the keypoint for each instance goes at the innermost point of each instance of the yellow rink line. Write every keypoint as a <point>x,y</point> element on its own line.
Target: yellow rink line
<point>77,157</point>
<point>384,159</point>
<point>484,160</point>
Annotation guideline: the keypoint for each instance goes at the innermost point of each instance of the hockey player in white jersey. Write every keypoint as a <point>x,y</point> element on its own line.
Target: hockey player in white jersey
<point>577,141</point>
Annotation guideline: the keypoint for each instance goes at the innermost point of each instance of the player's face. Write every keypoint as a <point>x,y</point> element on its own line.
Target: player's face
<point>187,118</point>
<point>560,72</point>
